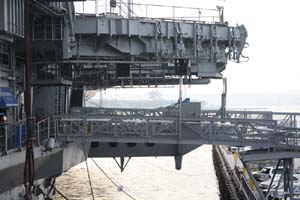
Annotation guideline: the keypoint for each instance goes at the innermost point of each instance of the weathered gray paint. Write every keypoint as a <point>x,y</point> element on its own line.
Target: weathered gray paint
<point>47,164</point>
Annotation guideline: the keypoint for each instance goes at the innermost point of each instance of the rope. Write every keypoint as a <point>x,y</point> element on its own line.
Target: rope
<point>90,182</point>
<point>61,194</point>
<point>87,166</point>
<point>29,168</point>
<point>113,182</point>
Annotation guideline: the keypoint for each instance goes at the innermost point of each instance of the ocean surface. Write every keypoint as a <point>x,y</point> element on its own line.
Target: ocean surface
<point>144,179</point>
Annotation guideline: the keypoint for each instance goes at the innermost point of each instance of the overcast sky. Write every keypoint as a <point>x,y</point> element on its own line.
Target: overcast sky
<point>274,41</point>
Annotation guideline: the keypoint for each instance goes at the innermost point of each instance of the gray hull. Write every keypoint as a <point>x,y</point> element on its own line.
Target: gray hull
<point>47,166</point>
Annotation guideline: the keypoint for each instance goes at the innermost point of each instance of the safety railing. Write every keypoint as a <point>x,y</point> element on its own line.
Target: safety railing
<point>14,136</point>
<point>248,191</point>
<point>80,111</point>
<point>3,138</point>
<point>236,132</point>
<point>148,11</point>
<point>260,129</point>
<point>43,130</point>
<point>284,119</point>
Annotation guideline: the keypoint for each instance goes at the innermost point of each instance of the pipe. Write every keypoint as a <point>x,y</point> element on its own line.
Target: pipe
<point>70,17</point>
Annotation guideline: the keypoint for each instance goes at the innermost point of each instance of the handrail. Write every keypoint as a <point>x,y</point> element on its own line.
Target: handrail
<point>42,130</point>
<point>185,7</point>
<point>142,11</point>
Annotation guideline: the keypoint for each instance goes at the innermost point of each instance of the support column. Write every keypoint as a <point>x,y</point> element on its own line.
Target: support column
<point>260,193</point>
<point>288,179</point>
<point>223,101</point>
<point>129,8</point>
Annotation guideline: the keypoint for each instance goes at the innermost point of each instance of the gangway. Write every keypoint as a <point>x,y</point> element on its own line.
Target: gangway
<point>170,131</point>
<point>77,51</point>
<point>259,129</point>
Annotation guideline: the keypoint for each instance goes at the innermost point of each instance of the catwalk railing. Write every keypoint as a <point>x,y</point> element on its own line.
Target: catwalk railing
<point>261,129</point>
<point>13,135</point>
<point>239,128</point>
<point>149,11</point>
<point>289,119</point>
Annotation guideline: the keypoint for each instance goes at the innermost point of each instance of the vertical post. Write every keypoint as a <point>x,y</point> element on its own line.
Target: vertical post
<point>297,141</point>
<point>38,133</point>
<point>105,4</point>
<point>96,8</point>
<point>223,103</point>
<point>55,129</point>
<point>211,132</point>
<point>120,7</point>
<point>84,126</point>
<point>101,98</point>
<point>268,141</point>
<point>83,8</point>
<point>180,107</point>
<point>291,176</point>
<point>129,14</point>
<point>83,96</point>
<point>275,130</point>
<point>20,136</point>
<point>146,10</point>
<point>147,129</point>
<point>48,128</point>
<point>29,168</point>
<point>115,128</point>
<point>221,13</point>
<point>6,138</point>
<point>174,13</point>
<point>178,156</point>
<point>243,133</point>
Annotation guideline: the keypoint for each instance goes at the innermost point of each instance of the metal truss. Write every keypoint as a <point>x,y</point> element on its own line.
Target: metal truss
<point>239,128</point>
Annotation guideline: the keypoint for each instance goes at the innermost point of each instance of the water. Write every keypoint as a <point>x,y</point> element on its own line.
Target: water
<point>145,179</point>
<point>152,178</point>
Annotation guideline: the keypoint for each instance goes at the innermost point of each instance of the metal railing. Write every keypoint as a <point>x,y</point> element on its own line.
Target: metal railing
<point>248,191</point>
<point>234,131</point>
<point>43,130</point>
<point>271,130</point>
<point>284,119</point>
<point>115,111</point>
<point>13,136</point>
<point>149,11</point>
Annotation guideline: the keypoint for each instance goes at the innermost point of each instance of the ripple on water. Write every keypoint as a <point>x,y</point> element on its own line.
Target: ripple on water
<point>145,179</point>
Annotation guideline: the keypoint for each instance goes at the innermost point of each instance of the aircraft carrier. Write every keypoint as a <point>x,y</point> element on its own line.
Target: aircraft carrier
<point>51,55</point>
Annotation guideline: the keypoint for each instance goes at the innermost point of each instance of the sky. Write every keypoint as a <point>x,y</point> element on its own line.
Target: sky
<point>273,37</point>
<point>274,40</point>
